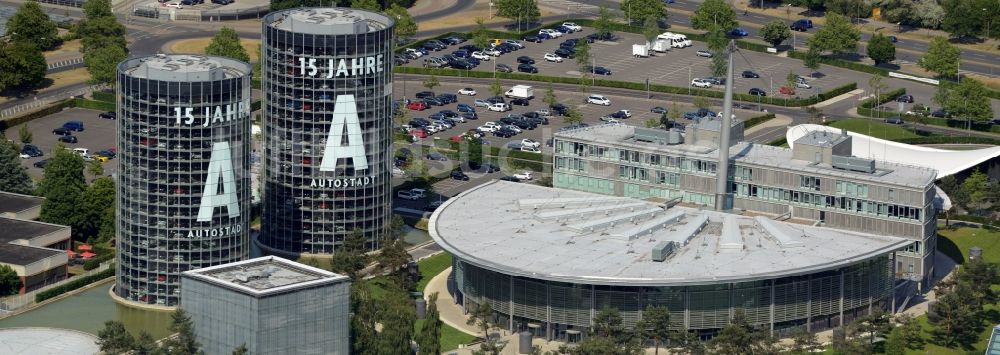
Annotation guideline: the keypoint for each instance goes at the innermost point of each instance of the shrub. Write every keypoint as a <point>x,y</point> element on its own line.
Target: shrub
<point>75,284</point>
<point>753,121</point>
<point>96,262</point>
<point>4,124</point>
<point>866,108</point>
<point>104,96</point>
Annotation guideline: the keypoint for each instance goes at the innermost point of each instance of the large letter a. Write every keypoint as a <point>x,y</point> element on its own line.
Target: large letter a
<point>221,165</point>
<point>344,113</point>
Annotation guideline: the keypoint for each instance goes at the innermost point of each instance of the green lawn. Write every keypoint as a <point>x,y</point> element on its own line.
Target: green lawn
<point>450,337</point>
<point>432,266</point>
<point>877,129</point>
<point>956,244</point>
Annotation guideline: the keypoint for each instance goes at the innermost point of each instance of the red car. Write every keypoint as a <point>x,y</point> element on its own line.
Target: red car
<point>787,91</point>
<point>417,106</point>
<point>419,133</point>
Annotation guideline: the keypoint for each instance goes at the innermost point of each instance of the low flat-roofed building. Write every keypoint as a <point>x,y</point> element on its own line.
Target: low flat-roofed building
<point>547,259</point>
<point>819,180</point>
<point>270,304</point>
<point>20,206</point>
<point>35,250</point>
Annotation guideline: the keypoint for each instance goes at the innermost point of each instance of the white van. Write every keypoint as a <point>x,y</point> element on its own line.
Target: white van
<point>676,40</point>
<point>406,195</point>
<point>499,107</point>
<point>598,100</point>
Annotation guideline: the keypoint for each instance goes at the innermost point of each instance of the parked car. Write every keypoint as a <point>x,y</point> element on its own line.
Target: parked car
<point>894,120</point>
<point>758,92</point>
<point>29,151</point>
<point>801,25</point>
<point>565,53</point>
<point>433,101</point>
<point>41,163</point>
<point>424,94</point>
<point>749,74</point>
<point>703,53</point>
<point>520,102</point>
<point>525,60</point>
<point>523,176</point>
<point>940,113</point>
<point>802,85</point>
<point>222,2</point>
<point>417,106</point>
<point>549,57</point>
<point>906,98</point>
<point>510,178</point>
<point>61,131</point>
<point>715,81</point>
<point>447,98</point>
<point>73,126</point>
<point>459,175</point>
<point>68,139</point>
<point>658,109</point>
<point>701,83</point>
<point>499,107</point>
<point>572,26</point>
<point>467,91</point>
<point>504,68</point>
<point>532,38</point>
<point>559,109</point>
<point>110,115</point>
<point>436,157</point>
<point>738,32</point>
<point>527,68</point>
<point>598,100</point>
<point>481,56</point>
<point>406,195</point>
<point>481,103</point>
<point>599,70</point>
<point>787,91</point>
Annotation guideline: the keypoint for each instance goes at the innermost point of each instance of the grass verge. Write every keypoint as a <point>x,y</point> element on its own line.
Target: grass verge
<point>874,128</point>
<point>198,45</point>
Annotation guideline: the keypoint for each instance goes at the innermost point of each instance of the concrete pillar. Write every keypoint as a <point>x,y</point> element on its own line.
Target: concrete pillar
<point>772,306</point>
<point>809,289</point>
<point>687,309</point>
<point>510,304</point>
<point>548,312</point>
<point>842,297</point>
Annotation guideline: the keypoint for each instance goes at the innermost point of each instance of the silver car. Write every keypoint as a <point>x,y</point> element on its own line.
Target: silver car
<point>704,53</point>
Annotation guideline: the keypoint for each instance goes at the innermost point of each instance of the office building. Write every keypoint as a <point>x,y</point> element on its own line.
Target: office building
<point>270,305</point>
<point>548,259</point>
<point>183,184</point>
<point>327,84</point>
<point>818,181</point>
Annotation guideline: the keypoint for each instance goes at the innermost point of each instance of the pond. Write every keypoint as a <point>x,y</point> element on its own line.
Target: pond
<point>87,312</point>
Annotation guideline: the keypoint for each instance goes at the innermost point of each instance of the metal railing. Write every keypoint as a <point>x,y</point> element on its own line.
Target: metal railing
<point>200,15</point>
<point>13,303</point>
<point>45,101</point>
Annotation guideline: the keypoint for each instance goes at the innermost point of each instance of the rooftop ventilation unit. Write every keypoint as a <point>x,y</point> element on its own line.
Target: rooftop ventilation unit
<point>658,136</point>
<point>854,164</point>
<point>663,251</point>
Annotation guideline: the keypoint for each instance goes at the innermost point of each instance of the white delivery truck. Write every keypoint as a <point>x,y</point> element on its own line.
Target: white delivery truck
<point>661,45</point>
<point>677,40</point>
<point>521,92</point>
<point>640,50</point>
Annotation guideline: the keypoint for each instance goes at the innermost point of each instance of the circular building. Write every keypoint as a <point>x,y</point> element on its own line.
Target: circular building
<point>183,162</point>
<point>327,83</point>
<point>547,260</point>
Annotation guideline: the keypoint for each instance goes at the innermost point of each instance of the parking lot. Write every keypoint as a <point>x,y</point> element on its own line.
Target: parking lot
<point>678,66</point>
<point>98,134</point>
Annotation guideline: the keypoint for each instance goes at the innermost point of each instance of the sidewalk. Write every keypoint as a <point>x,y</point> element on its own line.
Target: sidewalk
<point>779,120</point>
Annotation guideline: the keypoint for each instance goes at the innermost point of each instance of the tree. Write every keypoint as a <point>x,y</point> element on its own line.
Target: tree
<point>674,113</point>
<point>804,342</point>
<point>643,10</point>
<point>405,26</point>
<point>430,334</point>
<point>655,325</point>
<point>894,345</point>
<point>370,5</point>
<point>95,168</point>
<point>114,339</point>
<point>815,113</point>
<point>496,89</point>
<point>701,103</point>
<point>980,275</point>
<point>954,316</point>
<point>102,63</point>
<point>605,23</point>
<point>735,338</point>
<point>479,34</point>
<point>24,134</point>
<point>241,350</point>
<point>717,43</point>
<point>838,36</point>
<point>609,336</point>
<point>573,116</point>
<point>13,176</point>
<point>107,229</point>
<point>928,13</point>
<point>811,59</point>
<point>95,201</point>
<point>22,66</point>
<point>349,258</point>
<point>847,8</point>
<point>775,32</point>
<point>63,186</point>
<point>910,332</point>
<point>881,49</point>
<point>393,258</point>
<point>790,80</point>
<point>583,56</point>
<point>31,25</point>
<point>967,100</point>
<point>184,342</point>
<point>100,28</point>
<point>942,58</point>
<point>145,345</point>
<point>226,43</point>
<point>652,123</point>
<point>480,317</point>
<point>550,98</point>
<point>650,29</point>
<point>10,283</point>
<point>522,11</point>
<point>97,8</point>
<point>714,14</point>
<point>365,317</point>
<point>964,18</point>
<point>397,314</point>
<point>875,324</point>
<point>431,82</point>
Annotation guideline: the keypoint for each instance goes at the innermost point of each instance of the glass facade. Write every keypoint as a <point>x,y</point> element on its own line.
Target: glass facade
<point>819,300</point>
<point>327,128</point>
<point>183,184</point>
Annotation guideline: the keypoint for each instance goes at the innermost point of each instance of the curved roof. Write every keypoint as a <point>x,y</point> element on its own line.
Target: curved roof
<point>47,341</point>
<point>578,237</point>
<point>946,162</point>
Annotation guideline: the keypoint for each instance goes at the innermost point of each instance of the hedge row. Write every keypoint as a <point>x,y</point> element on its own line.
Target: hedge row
<point>984,126</point>
<point>987,91</point>
<point>971,218</point>
<point>104,96</point>
<point>75,284</point>
<point>5,124</point>
<point>95,262</point>
<point>757,120</point>
<point>778,142</point>
<point>94,105</point>
<point>796,102</point>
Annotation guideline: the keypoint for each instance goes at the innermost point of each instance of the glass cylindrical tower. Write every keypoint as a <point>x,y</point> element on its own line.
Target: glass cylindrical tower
<point>327,85</point>
<point>183,171</point>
